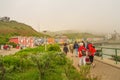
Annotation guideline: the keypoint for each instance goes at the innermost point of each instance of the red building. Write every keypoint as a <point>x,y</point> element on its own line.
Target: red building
<point>23,41</point>
<point>50,40</point>
<point>14,40</point>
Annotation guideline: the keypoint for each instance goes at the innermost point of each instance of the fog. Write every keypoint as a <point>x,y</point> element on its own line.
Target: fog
<point>96,16</point>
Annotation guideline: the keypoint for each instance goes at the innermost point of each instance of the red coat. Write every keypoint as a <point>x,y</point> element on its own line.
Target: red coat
<point>80,50</point>
<point>91,50</point>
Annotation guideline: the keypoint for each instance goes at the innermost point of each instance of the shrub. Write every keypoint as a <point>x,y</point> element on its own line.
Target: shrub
<point>46,65</point>
<point>114,58</point>
<point>13,44</point>
<point>53,47</point>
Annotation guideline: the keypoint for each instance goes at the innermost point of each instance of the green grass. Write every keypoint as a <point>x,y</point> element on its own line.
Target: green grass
<point>16,28</point>
<point>29,74</point>
<point>37,64</point>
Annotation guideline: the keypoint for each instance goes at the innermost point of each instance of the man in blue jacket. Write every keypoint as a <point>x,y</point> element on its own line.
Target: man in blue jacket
<point>76,46</point>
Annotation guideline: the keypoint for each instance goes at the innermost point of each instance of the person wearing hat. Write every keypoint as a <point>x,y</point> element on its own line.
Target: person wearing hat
<point>82,54</point>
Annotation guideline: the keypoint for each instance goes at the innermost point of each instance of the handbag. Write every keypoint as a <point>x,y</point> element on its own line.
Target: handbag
<point>87,59</point>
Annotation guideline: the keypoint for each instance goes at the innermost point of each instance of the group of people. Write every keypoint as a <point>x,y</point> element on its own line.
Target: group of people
<point>83,50</point>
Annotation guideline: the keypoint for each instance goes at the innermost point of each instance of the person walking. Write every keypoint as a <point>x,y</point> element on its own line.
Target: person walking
<point>65,48</point>
<point>82,54</point>
<point>75,47</point>
<point>91,53</point>
<point>71,48</point>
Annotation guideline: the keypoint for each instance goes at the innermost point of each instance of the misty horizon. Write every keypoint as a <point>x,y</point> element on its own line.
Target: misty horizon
<point>96,16</point>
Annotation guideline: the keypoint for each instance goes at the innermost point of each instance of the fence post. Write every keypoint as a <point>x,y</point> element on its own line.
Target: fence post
<point>116,55</point>
<point>101,54</point>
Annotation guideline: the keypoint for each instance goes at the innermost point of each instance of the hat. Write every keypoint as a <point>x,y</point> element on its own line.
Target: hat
<point>81,44</point>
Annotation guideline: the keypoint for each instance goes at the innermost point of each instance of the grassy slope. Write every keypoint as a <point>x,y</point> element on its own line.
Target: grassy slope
<point>14,28</point>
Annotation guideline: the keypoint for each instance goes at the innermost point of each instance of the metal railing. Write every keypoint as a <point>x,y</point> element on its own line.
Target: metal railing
<point>115,55</point>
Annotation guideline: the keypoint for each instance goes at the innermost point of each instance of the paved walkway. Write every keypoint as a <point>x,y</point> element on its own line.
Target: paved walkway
<point>105,69</point>
<point>108,61</point>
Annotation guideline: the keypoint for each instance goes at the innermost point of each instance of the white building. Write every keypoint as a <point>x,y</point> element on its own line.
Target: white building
<point>5,19</point>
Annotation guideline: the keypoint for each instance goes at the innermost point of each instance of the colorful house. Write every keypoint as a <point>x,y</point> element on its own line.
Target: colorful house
<point>23,41</point>
<point>50,40</point>
<point>14,40</point>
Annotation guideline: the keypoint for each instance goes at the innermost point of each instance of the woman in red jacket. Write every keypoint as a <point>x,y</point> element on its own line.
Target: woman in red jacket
<point>91,52</point>
<point>82,54</point>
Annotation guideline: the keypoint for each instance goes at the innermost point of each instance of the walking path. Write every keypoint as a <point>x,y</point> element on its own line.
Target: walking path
<point>74,59</point>
<point>105,69</point>
<point>108,61</point>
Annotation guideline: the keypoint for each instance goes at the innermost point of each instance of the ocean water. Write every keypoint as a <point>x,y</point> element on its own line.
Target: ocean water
<point>110,51</point>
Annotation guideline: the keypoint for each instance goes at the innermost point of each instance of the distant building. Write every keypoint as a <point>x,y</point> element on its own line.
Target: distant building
<point>50,40</point>
<point>113,36</point>
<point>98,39</point>
<point>117,36</point>
<point>108,36</point>
<point>23,41</point>
<point>14,40</point>
<point>5,19</point>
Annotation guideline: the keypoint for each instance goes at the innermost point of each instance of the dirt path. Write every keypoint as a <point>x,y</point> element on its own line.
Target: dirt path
<point>74,59</point>
<point>8,52</point>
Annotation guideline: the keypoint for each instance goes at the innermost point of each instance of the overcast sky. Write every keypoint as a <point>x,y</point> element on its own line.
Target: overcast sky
<point>54,15</point>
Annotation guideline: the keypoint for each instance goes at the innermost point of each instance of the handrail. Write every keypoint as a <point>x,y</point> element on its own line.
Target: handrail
<point>108,48</point>
<point>116,52</point>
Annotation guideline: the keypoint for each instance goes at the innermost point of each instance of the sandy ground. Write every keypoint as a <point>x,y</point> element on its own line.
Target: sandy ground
<point>8,52</point>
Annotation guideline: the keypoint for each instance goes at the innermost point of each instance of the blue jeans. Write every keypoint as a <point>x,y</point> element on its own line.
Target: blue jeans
<point>76,52</point>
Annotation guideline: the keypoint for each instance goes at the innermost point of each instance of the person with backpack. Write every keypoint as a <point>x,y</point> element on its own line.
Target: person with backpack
<point>75,47</point>
<point>91,53</point>
<point>82,54</point>
<point>65,48</point>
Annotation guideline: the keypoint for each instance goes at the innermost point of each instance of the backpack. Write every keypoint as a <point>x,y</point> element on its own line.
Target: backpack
<point>87,59</point>
<point>83,53</point>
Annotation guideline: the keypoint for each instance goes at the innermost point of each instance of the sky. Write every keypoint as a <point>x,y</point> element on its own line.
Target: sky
<point>53,15</point>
